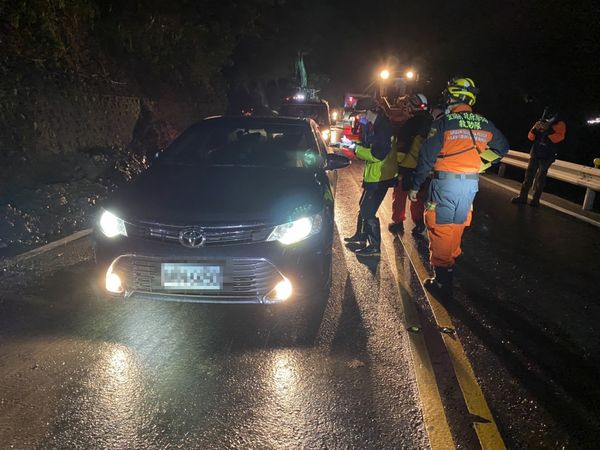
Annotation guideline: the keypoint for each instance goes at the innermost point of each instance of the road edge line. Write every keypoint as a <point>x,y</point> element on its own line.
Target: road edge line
<point>487,431</point>
<point>31,254</point>
<point>434,414</point>
<point>545,203</point>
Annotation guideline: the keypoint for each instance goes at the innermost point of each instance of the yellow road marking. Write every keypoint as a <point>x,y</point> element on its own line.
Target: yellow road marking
<point>486,428</point>
<point>434,416</point>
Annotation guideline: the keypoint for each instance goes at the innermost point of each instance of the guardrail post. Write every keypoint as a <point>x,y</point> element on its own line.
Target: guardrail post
<point>588,201</point>
<point>501,170</point>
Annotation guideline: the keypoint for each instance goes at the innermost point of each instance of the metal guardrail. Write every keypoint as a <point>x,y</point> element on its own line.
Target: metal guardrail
<point>587,177</point>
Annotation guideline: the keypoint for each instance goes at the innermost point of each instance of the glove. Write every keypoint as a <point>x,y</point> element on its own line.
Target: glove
<point>347,143</point>
<point>412,195</point>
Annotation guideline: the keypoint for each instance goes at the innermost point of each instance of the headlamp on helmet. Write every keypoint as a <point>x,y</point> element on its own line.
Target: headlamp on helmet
<point>461,90</point>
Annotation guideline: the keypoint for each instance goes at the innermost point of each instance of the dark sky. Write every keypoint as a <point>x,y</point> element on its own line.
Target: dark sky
<point>547,50</point>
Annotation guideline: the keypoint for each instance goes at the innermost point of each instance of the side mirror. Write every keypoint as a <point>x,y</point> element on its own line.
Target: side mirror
<point>335,161</point>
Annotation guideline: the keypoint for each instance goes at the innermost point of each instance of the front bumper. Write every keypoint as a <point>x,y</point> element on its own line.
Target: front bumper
<point>250,271</point>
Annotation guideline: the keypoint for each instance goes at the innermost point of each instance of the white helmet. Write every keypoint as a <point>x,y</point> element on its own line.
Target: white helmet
<point>418,102</point>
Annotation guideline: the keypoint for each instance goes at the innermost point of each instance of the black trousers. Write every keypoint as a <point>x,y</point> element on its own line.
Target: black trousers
<point>535,175</point>
<point>370,201</point>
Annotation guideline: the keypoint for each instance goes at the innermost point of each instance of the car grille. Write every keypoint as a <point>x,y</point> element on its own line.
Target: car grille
<point>243,278</point>
<point>213,235</point>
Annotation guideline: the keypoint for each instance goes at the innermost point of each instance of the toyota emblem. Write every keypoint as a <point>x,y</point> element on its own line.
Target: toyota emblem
<point>191,238</point>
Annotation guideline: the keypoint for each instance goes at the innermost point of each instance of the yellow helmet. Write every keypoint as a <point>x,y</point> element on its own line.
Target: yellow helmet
<point>461,90</point>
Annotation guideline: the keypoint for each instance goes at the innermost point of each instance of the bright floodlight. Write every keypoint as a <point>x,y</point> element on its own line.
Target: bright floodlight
<point>410,74</point>
<point>384,74</point>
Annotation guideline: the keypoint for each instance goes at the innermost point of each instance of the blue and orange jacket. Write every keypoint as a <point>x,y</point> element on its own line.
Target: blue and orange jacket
<point>455,142</point>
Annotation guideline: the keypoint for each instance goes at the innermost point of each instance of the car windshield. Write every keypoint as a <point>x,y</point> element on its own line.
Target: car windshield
<point>238,143</point>
<point>316,112</point>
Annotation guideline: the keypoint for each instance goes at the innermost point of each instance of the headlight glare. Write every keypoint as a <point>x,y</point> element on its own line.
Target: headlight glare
<point>297,230</point>
<point>111,225</point>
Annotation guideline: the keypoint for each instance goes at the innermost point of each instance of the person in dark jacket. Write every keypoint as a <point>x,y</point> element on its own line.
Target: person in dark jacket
<point>379,175</point>
<point>545,134</point>
<point>409,138</point>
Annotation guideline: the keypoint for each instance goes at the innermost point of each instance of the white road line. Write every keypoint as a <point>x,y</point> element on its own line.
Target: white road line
<point>545,203</point>
<point>45,248</point>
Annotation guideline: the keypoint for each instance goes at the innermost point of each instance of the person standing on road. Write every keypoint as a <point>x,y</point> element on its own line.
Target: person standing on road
<point>452,149</point>
<point>410,137</point>
<point>545,134</point>
<point>379,175</point>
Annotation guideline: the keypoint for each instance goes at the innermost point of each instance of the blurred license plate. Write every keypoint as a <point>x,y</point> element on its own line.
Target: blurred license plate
<point>191,276</point>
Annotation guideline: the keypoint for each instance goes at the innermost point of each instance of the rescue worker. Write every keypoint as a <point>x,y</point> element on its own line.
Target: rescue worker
<point>379,175</point>
<point>452,149</point>
<point>545,134</point>
<point>410,137</point>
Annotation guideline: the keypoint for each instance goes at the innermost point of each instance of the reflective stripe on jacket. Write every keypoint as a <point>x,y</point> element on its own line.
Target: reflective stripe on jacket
<point>455,142</point>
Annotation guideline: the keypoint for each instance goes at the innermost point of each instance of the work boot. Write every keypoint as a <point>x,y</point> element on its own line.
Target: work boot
<point>373,237</point>
<point>360,236</point>
<point>419,227</point>
<point>518,200</point>
<point>441,284</point>
<point>396,227</point>
<point>535,202</point>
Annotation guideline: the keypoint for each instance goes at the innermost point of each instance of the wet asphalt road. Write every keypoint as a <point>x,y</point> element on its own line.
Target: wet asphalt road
<point>77,371</point>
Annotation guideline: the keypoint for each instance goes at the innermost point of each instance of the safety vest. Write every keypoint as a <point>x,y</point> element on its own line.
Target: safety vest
<point>410,137</point>
<point>377,170</point>
<point>409,160</point>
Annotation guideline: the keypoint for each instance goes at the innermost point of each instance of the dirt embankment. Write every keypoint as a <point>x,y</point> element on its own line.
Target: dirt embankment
<point>67,141</point>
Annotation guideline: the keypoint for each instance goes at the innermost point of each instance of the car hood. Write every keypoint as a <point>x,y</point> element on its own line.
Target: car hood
<point>177,194</point>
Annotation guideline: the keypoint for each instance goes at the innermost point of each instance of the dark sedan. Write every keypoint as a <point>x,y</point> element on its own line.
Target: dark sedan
<point>236,210</point>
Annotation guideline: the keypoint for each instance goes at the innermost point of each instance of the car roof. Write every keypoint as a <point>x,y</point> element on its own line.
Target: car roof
<point>306,103</point>
<point>259,119</point>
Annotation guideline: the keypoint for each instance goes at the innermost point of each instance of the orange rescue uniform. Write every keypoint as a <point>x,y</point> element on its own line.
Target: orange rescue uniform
<point>452,151</point>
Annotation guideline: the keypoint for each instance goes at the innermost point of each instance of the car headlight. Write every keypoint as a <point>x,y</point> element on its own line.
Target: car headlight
<point>111,225</point>
<point>297,230</point>
<point>325,134</point>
